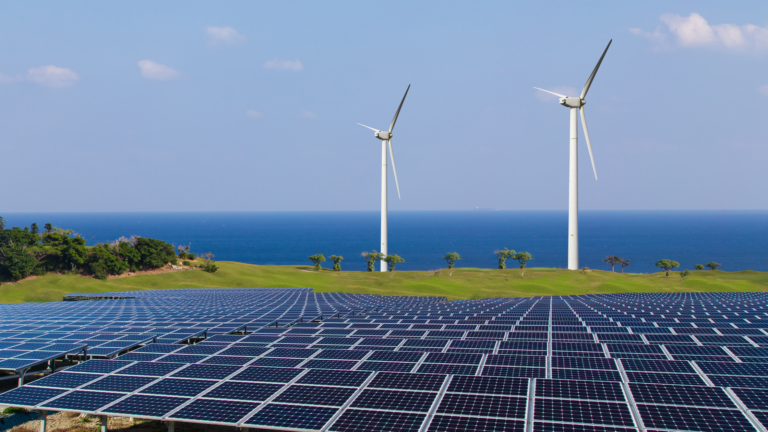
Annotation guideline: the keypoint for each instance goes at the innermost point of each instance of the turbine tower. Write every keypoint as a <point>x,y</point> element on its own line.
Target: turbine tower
<point>576,103</point>
<point>386,139</point>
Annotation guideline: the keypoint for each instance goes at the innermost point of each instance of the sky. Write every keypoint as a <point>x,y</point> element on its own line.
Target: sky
<point>252,106</point>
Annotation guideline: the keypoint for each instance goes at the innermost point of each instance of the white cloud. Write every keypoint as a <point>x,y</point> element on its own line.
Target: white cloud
<point>52,76</point>
<point>226,35</point>
<point>694,31</point>
<point>307,114</point>
<point>7,79</point>
<point>284,65</point>
<point>763,89</point>
<point>252,113</point>
<point>156,71</point>
<point>546,97</point>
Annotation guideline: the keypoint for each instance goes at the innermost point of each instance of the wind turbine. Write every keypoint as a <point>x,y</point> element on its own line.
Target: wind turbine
<point>386,139</point>
<point>576,103</point>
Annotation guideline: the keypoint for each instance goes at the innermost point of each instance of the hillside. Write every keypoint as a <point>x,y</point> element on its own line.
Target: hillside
<point>459,283</point>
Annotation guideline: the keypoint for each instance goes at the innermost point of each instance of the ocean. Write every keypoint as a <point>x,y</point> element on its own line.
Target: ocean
<point>736,239</point>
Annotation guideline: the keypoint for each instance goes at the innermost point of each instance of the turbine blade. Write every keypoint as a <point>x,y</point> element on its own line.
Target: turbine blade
<point>375,130</point>
<point>394,119</point>
<point>586,135</point>
<point>392,157</point>
<point>556,94</point>
<point>594,72</point>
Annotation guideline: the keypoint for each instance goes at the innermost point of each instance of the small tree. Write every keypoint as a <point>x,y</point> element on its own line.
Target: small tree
<point>451,258</point>
<point>502,255</point>
<point>522,258</point>
<point>2,223</point>
<point>208,265</point>
<point>684,274</point>
<point>667,265</point>
<point>35,229</point>
<point>371,258</point>
<point>698,267</point>
<point>317,259</point>
<point>612,260</point>
<point>48,227</point>
<point>712,265</point>
<point>336,262</point>
<point>624,263</point>
<point>393,259</point>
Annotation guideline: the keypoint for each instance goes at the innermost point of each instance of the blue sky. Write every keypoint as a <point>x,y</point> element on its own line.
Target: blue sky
<point>250,106</point>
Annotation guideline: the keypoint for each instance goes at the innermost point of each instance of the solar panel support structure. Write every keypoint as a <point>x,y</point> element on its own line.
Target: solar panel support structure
<point>701,373</point>
<point>171,426</point>
<point>529,406</point>
<point>43,420</point>
<point>752,419</point>
<point>104,421</point>
<point>349,402</point>
<point>632,405</point>
<point>436,404</point>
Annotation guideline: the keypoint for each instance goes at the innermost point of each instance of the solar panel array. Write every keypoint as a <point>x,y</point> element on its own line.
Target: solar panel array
<point>621,362</point>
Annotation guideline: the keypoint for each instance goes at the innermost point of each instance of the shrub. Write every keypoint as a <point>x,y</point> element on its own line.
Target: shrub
<point>154,253</point>
<point>14,410</point>
<point>186,263</point>
<point>183,255</point>
<point>190,256</point>
<point>209,267</point>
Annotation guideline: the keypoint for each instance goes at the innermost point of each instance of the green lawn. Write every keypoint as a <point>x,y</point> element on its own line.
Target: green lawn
<point>460,283</point>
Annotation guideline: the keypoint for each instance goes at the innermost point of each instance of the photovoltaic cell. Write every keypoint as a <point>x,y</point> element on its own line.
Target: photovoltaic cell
<point>688,418</point>
<point>681,395</point>
<point>400,400</point>
<point>391,380</point>
<point>88,401</point>
<point>483,405</point>
<point>577,411</point>
<point>145,406</point>
<point>442,423</point>
<point>210,410</point>
<point>354,420</point>
<point>292,416</point>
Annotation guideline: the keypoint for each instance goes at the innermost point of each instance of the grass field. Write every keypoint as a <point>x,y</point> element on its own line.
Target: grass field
<point>459,283</point>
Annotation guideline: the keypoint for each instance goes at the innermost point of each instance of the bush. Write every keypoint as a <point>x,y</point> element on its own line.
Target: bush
<point>14,410</point>
<point>186,263</point>
<point>209,267</point>
<point>190,256</point>
<point>183,255</point>
<point>154,253</point>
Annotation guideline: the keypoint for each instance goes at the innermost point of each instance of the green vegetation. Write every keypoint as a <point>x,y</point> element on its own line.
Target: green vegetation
<point>502,255</point>
<point>667,265</point>
<point>523,258</point>
<point>392,260</point>
<point>712,265</point>
<point>371,258</point>
<point>698,267</point>
<point>29,252</point>
<point>208,264</point>
<point>451,258</point>
<point>612,261</point>
<point>336,262</point>
<point>316,260</point>
<point>624,263</point>
<point>15,410</point>
<point>684,274</point>
<point>463,283</point>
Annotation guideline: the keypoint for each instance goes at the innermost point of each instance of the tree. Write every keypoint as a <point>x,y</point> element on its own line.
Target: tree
<point>624,263</point>
<point>208,264</point>
<point>35,229</point>
<point>684,274</point>
<point>336,262</point>
<point>667,265</point>
<point>2,223</point>
<point>712,265</point>
<point>392,260</point>
<point>612,260</point>
<point>154,253</point>
<point>522,258</point>
<point>503,255</point>
<point>451,258</point>
<point>698,267</point>
<point>371,258</point>
<point>317,259</point>
<point>48,227</point>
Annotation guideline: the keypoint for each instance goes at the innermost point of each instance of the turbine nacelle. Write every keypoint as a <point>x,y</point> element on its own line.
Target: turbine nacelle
<point>572,102</point>
<point>383,135</point>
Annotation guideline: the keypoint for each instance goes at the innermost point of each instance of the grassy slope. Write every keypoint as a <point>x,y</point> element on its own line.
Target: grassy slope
<point>457,284</point>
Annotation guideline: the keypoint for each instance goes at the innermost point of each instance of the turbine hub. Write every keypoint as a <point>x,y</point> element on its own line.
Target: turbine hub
<point>383,135</point>
<point>572,102</point>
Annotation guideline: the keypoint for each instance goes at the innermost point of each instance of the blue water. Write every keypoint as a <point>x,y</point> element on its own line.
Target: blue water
<point>736,239</point>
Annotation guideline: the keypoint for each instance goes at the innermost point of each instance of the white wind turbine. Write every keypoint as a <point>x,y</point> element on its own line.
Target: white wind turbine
<point>386,138</point>
<point>576,103</point>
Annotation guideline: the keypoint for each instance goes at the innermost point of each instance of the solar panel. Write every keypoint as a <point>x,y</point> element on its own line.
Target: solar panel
<point>292,416</point>
<point>688,418</point>
<point>145,406</point>
<point>354,420</point>
<point>83,401</point>
<point>569,389</point>
<point>579,411</point>
<point>214,411</point>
